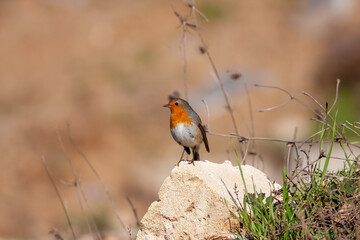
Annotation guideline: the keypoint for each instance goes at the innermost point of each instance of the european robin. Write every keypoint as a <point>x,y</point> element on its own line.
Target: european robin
<point>186,127</point>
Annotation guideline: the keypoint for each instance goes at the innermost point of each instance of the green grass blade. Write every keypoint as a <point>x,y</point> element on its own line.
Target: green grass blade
<point>330,150</point>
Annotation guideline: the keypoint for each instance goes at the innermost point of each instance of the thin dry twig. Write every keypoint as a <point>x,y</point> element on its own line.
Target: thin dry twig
<point>340,158</point>
<point>312,98</point>
<point>218,78</point>
<point>352,130</point>
<point>297,175</point>
<point>56,234</point>
<point>312,136</point>
<point>184,25</point>
<point>134,211</point>
<point>252,128</point>
<point>288,157</point>
<point>326,124</point>
<point>208,115</point>
<point>246,152</point>
<point>290,146</point>
<point>80,193</point>
<point>323,115</point>
<point>97,176</point>
<point>342,138</point>
<point>58,195</point>
<point>334,176</point>
<point>291,98</point>
<point>275,107</point>
<point>252,132</point>
<point>280,105</point>
<point>244,139</point>
<point>353,124</point>
<point>190,5</point>
<point>336,95</point>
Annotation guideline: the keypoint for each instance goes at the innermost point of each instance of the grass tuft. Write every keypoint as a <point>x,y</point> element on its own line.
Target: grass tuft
<point>319,205</point>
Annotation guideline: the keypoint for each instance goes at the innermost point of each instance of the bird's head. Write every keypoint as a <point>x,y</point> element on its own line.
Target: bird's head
<point>176,104</point>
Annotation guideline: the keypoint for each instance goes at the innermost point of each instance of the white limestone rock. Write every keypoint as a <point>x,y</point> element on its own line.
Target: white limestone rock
<point>191,201</point>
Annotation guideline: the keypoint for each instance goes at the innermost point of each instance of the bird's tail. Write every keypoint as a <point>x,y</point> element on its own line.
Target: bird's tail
<point>196,153</point>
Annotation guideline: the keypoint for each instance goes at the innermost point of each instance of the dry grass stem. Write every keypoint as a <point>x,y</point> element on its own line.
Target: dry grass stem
<point>336,95</point>
<point>80,194</point>
<point>214,68</point>
<point>97,176</point>
<point>184,25</point>
<point>291,98</point>
<point>208,115</point>
<point>353,124</point>
<point>246,152</point>
<point>352,130</point>
<point>134,211</point>
<point>312,98</point>
<point>56,234</point>
<point>58,195</point>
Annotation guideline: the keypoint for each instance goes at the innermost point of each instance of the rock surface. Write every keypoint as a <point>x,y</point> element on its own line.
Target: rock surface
<point>191,201</point>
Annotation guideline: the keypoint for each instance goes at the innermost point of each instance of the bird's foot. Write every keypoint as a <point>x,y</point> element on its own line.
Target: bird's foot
<point>188,161</point>
<point>180,161</point>
<point>191,162</point>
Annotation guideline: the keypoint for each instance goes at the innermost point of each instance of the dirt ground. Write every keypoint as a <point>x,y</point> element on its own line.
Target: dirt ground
<point>107,68</point>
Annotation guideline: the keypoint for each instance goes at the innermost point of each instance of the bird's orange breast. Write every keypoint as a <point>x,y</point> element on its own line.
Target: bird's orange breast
<point>179,115</point>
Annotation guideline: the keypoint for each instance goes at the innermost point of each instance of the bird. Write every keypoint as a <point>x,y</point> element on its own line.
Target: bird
<point>186,128</point>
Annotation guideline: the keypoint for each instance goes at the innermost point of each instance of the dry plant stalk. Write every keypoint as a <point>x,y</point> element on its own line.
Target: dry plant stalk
<point>58,195</point>
<point>97,176</point>
<point>204,50</point>
<point>80,194</point>
<point>134,211</point>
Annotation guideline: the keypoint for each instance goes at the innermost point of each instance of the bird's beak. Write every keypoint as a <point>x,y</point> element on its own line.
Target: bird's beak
<point>166,105</point>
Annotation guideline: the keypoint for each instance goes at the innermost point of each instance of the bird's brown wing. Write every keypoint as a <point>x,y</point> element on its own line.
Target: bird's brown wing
<point>202,129</point>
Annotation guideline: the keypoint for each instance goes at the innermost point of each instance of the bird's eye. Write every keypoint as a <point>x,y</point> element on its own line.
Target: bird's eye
<point>176,103</point>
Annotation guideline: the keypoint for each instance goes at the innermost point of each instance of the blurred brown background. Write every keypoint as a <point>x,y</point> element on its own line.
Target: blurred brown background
<point>107,67</point>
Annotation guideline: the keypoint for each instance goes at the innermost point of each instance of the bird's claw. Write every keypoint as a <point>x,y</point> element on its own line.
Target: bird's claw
<point>188,161</point>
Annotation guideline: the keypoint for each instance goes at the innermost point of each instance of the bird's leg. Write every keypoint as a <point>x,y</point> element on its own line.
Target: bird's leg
<point>191,161</point>
<point>181,157</point>
<point>196,156</point>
